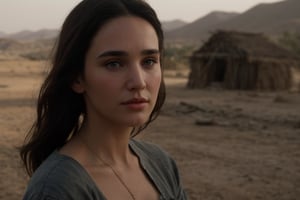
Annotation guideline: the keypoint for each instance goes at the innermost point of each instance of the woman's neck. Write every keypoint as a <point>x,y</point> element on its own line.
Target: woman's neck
<point>108,142</point>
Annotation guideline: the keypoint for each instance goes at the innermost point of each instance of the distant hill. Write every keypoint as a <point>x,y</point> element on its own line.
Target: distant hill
<point>32,35</point>
<point>199,26</point>
<point>2,34</point>
<point>10,45</point>
<point>174,24</point>
<point>34,50</point>
<point>272,19</point>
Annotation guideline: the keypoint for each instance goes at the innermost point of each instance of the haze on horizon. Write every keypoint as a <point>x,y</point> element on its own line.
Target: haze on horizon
<point>16,15</point>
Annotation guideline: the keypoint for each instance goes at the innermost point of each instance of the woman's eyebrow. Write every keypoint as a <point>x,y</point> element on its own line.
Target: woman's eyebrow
<point>112,53</point>
<point>150,51</point>
<point>124,53</point>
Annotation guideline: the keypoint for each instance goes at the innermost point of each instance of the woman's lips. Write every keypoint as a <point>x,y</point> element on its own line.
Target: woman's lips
<point>136,103</point>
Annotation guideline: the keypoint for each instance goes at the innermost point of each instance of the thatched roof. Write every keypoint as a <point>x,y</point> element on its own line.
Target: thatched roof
<point>252,45</point>
<point>242,61</point>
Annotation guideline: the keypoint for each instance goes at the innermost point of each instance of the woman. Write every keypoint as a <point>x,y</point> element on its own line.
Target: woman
<point>104,88</point>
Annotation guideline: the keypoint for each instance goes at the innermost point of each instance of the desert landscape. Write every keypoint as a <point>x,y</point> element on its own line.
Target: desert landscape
<point>228,144</point>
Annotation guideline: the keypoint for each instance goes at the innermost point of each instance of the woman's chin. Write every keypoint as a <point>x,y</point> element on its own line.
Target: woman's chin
<point>137,122</point>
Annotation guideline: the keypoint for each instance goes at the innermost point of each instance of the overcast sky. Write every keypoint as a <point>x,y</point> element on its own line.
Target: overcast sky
<point>17,15</point>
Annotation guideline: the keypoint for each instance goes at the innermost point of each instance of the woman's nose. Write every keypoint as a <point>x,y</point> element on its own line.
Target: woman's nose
<point>136,78</point>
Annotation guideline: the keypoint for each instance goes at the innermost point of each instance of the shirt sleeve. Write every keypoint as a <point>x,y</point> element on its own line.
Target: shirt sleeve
<point>181,193</point>
<point>162,168</point>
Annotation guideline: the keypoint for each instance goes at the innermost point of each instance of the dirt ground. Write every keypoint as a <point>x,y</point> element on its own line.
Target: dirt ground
<point>231,145</point>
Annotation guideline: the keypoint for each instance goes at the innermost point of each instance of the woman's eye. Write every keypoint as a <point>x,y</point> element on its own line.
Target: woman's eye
<point>149,62</point>
<point>113,65</point>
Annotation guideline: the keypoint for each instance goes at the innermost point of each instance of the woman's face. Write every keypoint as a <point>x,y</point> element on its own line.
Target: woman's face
<point>122,73</point>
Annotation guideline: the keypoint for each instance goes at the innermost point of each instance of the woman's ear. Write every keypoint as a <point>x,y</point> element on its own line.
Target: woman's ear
<point>77,86</point>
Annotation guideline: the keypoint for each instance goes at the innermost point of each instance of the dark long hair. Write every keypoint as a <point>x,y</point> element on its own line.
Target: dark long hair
<point>58,107</point>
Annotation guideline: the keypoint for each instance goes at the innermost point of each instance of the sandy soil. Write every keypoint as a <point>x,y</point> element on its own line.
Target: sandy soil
<point>231,145</point>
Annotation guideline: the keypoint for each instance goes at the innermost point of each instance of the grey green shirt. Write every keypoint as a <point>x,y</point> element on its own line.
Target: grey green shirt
<point>62,178</point>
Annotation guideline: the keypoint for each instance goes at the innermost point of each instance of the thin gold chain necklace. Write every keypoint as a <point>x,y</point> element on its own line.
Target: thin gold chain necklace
<point>109,166</point>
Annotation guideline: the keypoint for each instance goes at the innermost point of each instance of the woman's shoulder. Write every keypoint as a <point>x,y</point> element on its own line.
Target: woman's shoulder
<point>148,149</point>
<point>153,156</point>
<point>161,167</point>
<point>60,177</point>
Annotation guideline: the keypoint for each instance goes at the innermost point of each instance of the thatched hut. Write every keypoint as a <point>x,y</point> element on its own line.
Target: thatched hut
<point>241,61</point>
